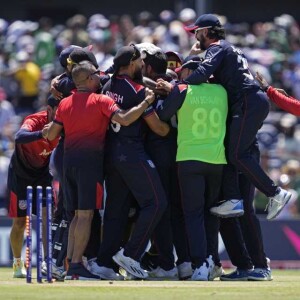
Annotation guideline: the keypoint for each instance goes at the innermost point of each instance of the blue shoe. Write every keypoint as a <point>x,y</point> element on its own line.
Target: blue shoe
<point>237,275</point>
<point>229,209</point>
<point>260,274</point>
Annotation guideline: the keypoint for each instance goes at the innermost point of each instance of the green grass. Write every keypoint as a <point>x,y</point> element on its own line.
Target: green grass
<point>286,285</point>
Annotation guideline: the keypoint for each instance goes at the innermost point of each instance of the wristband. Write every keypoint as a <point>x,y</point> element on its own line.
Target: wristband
<point>147,102</point>
<point>265,89</point>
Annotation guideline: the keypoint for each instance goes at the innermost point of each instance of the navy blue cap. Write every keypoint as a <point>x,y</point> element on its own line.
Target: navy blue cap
<point>63,56</point>
<point>190,62</point>
<point>125,55</point>
<point>204,21</point>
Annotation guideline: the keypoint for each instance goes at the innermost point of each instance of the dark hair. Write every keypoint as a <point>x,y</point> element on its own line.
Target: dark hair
<point>216,33</point>
<point>157,61</point>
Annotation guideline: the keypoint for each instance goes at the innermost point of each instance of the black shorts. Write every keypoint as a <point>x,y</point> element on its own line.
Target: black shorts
<point>83,188</point>
<point>17,188</point>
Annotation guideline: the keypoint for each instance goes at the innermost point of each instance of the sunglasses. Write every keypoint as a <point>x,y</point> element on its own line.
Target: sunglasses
<point>173,64</point>
<point>199,29</point>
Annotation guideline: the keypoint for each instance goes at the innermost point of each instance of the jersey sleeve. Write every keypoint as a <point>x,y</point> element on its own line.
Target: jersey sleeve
<point>58,115</point>
<point>173,102</point>
<point>213,58</point>
<point>30,124</point>
<point>108,106</point>
<point>286,103</point>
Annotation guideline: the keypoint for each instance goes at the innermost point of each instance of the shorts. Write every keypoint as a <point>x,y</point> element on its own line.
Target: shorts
<point>83,188</point>
<point>17,188</point>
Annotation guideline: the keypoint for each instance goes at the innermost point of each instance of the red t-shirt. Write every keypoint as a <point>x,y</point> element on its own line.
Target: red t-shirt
<point>32,159</point>
<point>286,103</point>
<point>85,118</point>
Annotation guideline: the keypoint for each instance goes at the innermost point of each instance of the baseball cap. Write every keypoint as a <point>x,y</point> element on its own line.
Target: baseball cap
<point>148,48</point>
<point>64,54</point>
<point>81,54</point>
<point>204,21</point>
<point>125,55</point>
<point>190,62</point>
<point>176,54</point>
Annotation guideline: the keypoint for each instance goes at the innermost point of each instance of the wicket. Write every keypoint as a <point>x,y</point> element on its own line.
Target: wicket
<point>39,234</point>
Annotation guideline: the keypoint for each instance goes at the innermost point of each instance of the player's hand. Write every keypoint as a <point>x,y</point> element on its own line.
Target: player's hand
<point>45,130</point>
<point>56,94</point>
<point>150,96</point>
<point>262,81</point>
<point>282,91</point>
<point>163,85</point>
<point>196,49</point>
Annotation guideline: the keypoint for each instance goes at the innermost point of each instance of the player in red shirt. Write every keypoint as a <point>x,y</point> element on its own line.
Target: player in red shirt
<point>85,116</point>
<point>29,166</point>
<point>279,96</point>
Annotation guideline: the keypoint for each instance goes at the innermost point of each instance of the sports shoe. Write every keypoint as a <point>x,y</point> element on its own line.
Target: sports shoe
<point>185,270</point>
<point>129,264</point>
<point>277,203</point>
<point>201,273</point>
<point>103,272</point>
<point>19,270</point>
<point>126,275</point>
<point>260,274</point>
<point>161,274</point>
<point>149,261</point>
<point>58,273</point>
<point>229,209</point>
<point>237,275</point>
<point>78,272</point>
<point>214,271</point>
<point>44,268</point>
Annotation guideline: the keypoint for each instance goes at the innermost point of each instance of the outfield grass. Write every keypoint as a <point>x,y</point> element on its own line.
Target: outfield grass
<point>286,285</point>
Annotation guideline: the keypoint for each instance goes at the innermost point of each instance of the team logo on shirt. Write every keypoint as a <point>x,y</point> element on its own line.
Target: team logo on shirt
<point>151,164</point>
<point>45,153</point>
<point>22,204</point>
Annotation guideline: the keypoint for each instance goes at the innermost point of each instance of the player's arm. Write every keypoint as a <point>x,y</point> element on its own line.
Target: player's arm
<point>24,136</point>
<point>53,131</point>
<point>279,96</point>
<point>172,103</point>
<point>207,67</point>
<point>156,125</point>
<point>126,117</point>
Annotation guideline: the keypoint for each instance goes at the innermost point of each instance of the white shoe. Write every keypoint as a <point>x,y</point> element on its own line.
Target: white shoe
<point>185,270</point>
<point>229,209</point>
<point>130,265</point>
<point>126,275</point>
<point>103,272</point>
<point>58,273</point>
<point>44,268</point>
<point>277,203</point>
<point>201,273</point>
<point>19,270</point>
<point>214,271</point>
<point>160,273</point>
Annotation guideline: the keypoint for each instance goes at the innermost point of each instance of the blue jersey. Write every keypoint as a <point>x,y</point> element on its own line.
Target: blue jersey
<point>229,67</point>
<point>125,143</point>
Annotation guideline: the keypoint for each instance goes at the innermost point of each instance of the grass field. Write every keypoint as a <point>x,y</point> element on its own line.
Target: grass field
<point>286,285</point>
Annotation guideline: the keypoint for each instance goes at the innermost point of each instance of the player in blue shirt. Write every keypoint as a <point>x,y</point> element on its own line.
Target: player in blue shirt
<point>248,107</point>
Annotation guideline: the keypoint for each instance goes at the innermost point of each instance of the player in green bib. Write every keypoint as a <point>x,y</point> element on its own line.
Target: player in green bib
<point>202,113</point>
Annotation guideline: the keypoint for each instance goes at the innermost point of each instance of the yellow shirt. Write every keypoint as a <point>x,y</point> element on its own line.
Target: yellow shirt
<point>29,78</point>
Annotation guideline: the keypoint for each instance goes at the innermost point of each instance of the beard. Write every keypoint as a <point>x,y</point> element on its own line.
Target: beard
<point>138,76</point>
<point>202,42</point>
